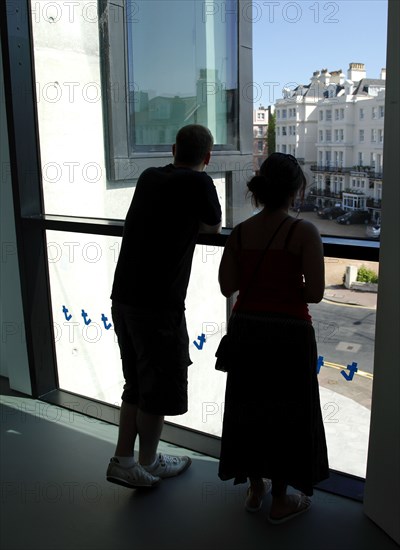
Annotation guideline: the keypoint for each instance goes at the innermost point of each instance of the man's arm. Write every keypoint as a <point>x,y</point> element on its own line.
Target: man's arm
<point>205,228</point>
<point>209,208</point>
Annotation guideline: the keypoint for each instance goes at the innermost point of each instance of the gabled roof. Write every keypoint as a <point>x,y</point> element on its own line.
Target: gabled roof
<point>365,83</point>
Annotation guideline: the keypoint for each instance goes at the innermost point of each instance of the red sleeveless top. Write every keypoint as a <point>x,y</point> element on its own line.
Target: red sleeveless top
<point>278,284</point>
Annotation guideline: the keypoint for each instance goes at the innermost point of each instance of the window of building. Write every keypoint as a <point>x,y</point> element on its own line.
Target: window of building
<point>321,115</point>
<point>284,131</point>
<point>284,113</point>
<point>381,111</point>
<point>341,111</point>
<point>328,156</point>
<point>328,115</point>
<point>362,113</point>
<point>360,158</point>
<point>328,135</point>
<point>284,148</point>
<point>336,114</point>
<point>260,146</point>
<point>373,135</point>
<point>361,135</point>
<point>321,135</point>
<point>374,112</point>
<point>380,134</point>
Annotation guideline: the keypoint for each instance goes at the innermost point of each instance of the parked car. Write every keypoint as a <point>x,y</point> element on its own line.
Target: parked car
<point>305,206</point>
<point>331,212</point>
<point>354,216</point>
<point>373,231</point>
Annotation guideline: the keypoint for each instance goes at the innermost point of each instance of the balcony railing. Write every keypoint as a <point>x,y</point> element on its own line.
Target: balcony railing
<point>333,169</point>
<point>363,171</point>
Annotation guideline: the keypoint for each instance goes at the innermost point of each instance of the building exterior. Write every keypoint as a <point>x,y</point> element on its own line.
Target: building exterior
<point>335,127</point>
<point>260,135</point>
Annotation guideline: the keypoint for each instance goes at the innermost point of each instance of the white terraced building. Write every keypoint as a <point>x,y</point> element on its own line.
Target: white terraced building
<point>334,126</point>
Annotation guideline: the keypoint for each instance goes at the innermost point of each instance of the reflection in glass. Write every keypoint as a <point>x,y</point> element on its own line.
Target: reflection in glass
<point>182,70</point>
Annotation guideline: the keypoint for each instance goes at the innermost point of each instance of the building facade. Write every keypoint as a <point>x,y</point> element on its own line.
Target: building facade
<point>334,126</point>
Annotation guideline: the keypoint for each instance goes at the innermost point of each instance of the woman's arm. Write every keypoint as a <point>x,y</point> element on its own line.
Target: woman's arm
<point>228,275</point>
<point>312,252</point>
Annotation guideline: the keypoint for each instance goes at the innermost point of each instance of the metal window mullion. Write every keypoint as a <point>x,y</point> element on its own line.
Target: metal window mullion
<point>23,135</point>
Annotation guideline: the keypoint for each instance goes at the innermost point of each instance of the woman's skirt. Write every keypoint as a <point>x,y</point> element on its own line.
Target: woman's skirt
<point>272,425</point>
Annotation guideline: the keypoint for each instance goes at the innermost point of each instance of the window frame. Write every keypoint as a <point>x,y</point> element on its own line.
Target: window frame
<point>122,164</point>
<point>31,224</point>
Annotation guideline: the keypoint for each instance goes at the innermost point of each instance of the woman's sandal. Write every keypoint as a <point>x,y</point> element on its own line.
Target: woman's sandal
<point>254,504</point>
<point>303,505</point>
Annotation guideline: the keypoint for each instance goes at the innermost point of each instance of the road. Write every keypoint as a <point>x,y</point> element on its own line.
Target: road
<point>345,334</point>
<point>332,228</point>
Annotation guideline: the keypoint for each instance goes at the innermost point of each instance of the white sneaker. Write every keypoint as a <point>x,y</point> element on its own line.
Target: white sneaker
<point>169,466</point>
<point>134,477</point>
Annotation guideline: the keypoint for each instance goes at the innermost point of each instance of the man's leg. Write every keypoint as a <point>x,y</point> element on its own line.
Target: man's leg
<point>149,427</point>
<point>127,430</point>
<point>132,423</point>
<point>123,469</point>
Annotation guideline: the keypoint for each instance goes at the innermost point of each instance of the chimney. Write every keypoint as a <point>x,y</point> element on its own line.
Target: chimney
<point>383,74</point>
<point>356,72</point>
<point>325,77</point>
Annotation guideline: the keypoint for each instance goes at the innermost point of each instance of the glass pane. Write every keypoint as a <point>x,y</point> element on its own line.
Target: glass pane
<point>81,269</point>
<point>205,315</point>
<point>81,273</point>
<point>344,324</point>
<point>190,47</point>
<point>69,92</point>
<point>69,105</point>
<point>331,117</point>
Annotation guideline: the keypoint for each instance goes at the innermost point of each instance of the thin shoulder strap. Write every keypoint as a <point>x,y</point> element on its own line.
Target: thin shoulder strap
<point>290,233</point>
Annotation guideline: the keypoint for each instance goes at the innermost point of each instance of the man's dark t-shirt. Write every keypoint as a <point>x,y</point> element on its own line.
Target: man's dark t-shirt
<point>160,234</point>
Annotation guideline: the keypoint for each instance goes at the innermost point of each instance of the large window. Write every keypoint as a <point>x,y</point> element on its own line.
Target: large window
<point>161,87</point>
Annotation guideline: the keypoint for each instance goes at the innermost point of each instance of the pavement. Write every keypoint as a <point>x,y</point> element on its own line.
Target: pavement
<point>340,294</point>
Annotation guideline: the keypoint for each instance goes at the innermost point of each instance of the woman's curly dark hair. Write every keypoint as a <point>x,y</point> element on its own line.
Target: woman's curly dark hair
<point>280,178</point>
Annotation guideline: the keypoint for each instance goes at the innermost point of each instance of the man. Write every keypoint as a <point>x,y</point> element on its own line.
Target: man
<point>170,206</point>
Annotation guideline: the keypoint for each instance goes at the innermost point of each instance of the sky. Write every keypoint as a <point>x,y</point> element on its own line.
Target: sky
<point>291,40</point>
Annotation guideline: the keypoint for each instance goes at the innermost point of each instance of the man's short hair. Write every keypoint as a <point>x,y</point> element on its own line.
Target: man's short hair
<point>192,144</point>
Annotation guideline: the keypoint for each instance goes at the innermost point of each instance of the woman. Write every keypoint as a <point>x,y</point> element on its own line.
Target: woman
<point>273,428</point>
